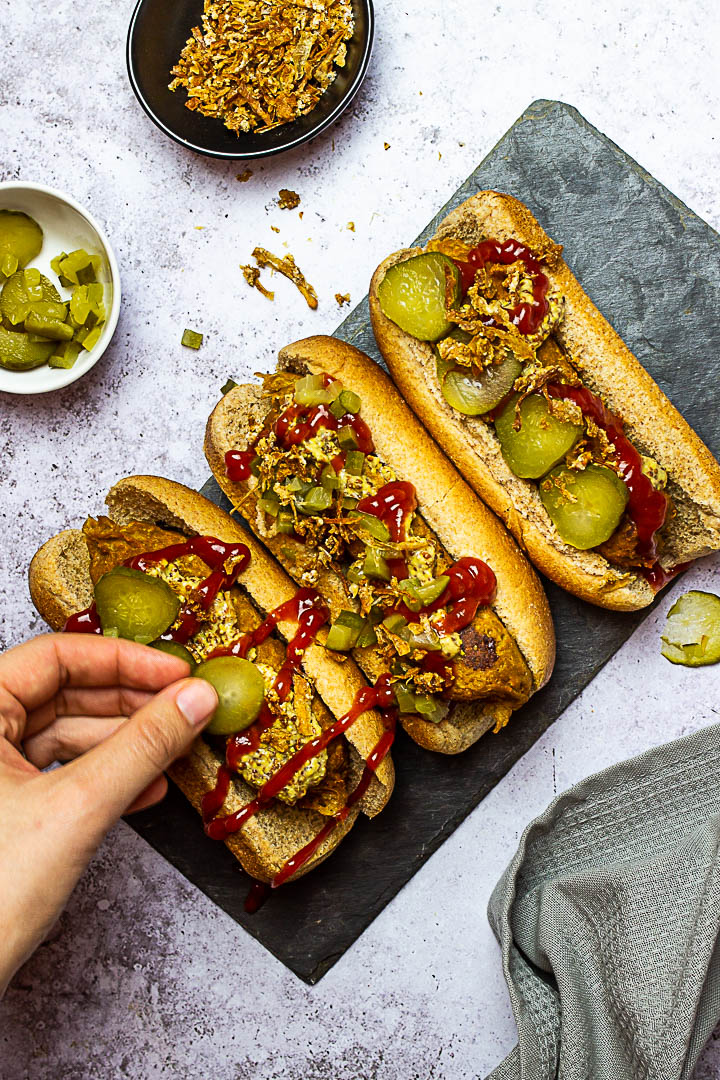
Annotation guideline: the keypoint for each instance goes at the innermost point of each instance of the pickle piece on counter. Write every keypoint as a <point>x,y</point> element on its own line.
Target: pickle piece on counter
<point>540,441</point>
<point>65,354</point>
<point>473,394</point>
<point>134,605</point>
<point>415,294</point>
<point>22,291</point>
<point>240,689</point>
<point>191,339</point>
<point>585,506</point>
<point>692,630</point>
<point>23,352</point>
<point>20,241</point>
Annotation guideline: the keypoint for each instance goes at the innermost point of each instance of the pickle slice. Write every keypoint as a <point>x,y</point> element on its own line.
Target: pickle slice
<point>585,506</point>
<point>175,649</point>
<point>541,441</point>
<point>240,689</point>
<point>692,630</point>
<point>134,605</point>
<point>412,294</point>
<point>472,394</point>
<point>23,352</point>
<point>20,241</point>
<point>21,291</point>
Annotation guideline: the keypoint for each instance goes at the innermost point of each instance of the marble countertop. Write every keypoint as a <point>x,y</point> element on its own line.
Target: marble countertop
<point>143,976</point>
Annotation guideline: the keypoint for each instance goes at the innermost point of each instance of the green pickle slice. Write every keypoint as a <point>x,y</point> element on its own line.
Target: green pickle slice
<point>134,605</point>
<point>585,506</point>
<point>175,649</point>
<point>412,294</point>
<point>692,630</point>
<point>22,292</point>
<point>21,239</point>
<point>23,352</point>
<point>472,394</point>
<point>541,441</point>
<point>240,688</point>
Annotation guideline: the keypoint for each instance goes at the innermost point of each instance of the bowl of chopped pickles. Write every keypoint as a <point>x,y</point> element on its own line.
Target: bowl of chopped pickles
<point>246,78</point>
<point>59,289</point>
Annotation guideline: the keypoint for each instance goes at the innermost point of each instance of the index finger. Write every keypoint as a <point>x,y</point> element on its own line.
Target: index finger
<point>32,673</point>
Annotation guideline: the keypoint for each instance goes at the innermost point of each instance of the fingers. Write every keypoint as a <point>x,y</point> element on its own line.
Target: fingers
<point>152,794</point>
<point>113,774</point>
<point>86,701</point>
<point>31,674</point>
<point>69,737</point>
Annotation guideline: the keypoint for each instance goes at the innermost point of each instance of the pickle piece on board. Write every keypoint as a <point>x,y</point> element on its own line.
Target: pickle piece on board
<point>415,293</point>
<point>21,239</point>
<point>240,689</point>
<point>585,506</point>
<point>23,352</point>
<point>692,630</point>
<point>22,291</point>
<point>539,441</point>
<point>134,605</point>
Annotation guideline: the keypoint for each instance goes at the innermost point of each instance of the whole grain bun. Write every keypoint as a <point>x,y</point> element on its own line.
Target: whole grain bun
<point>607,367</point>
<point>60,585</point>
<point>461,522</point>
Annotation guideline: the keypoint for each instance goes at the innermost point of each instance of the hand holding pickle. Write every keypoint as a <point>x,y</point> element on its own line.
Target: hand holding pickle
<point>543,408</point>
<point>353,498</point>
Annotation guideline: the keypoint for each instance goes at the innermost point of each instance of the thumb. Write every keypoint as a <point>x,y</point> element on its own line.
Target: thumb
<point>117,770</point>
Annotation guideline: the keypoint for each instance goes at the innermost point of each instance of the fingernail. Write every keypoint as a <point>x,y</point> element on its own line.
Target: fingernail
<point>197,701</point>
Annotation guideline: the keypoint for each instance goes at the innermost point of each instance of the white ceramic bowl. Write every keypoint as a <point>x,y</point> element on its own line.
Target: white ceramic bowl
<point>66,226</point>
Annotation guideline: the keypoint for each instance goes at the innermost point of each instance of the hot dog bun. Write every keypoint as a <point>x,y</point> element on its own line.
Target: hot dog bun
<point>60,585</point>
<point>607,367</point>
<point>459,520</point>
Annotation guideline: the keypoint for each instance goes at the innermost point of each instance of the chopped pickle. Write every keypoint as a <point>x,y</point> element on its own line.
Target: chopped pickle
<point>285,523</point>
<point>377,528</point>
<point>415,294</point>
<point>350,401</point>
<point>22,352</point>
<point>345,632</point>
<point>175,649</point>
<point>310,390</point>
<point>240,689</point>
<point>423,704</point>
<point>329,478</point>
<point>228,386</point>
<point>191,339</point>
<point>77,268</point>
<point>395,623</point>
<point>540,441</point>
<point>89,338</point>
<point>420,595</point>
<point>86,307</point>
<point>65,354</point>
<point>134,605</point>
<point>20,241</point>
<point>47,326</point>
<point>367,638</point>
<point>354,462</point>
<point>21,292</point>
<point>586,505</point>
<point>375,565</point>
<point>473,394</point>
<point>347,438</point>
<point>692,630</point>
<point>269,502</point>
<point>315,501</point>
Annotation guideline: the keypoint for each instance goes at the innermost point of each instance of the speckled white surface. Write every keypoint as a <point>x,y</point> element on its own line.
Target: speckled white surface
<point>144,977</point>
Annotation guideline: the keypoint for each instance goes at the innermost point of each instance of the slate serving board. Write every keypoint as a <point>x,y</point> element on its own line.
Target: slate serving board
<point>653,268</point>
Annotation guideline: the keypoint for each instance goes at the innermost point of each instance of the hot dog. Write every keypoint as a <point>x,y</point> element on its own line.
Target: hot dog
<point>297,748</point>
<point>543,408</point>
<point>424,586</point>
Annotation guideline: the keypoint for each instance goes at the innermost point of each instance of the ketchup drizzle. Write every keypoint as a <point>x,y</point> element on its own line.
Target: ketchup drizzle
<point>526,316</point>
<point>646,505</point>
<point>84,622</point>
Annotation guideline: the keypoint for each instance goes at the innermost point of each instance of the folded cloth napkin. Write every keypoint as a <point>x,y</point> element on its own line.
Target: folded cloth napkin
<point>608,921</point>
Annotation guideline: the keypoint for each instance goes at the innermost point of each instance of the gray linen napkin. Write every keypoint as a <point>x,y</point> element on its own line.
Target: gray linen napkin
<point>608,920</point>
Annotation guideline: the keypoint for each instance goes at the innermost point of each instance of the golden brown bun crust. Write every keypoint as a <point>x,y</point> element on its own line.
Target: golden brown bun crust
<point>60,586</point>
<point>462,523</point>
<point>607,367</point>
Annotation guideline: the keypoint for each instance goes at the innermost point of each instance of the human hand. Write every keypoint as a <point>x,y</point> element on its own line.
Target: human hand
<point>95,700</point>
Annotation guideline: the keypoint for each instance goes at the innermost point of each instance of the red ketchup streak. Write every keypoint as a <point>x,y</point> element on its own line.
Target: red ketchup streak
<point>526,316</point>
<point>646,505</point>
<point>393,504</point>
<point>84,622</point>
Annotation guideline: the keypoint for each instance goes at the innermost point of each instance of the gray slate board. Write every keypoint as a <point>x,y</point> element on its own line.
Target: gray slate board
<point>653,268</point>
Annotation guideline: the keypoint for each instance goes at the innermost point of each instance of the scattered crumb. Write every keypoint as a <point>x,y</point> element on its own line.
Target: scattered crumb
<point>244,176</point>
<point>439,155</point>
<point>288,199</point>
<point>342,298</point>
<point>289,269</point>
<point>461,144</point>
<point>199,227</point>
<point>351,226</point>
<point>300,215</point>
<point>386,145</point>
<point>252,276</point>
<point>274,228</point>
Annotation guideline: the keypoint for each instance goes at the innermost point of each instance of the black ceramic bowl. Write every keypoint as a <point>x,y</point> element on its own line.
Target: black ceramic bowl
<point>157,35</point>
